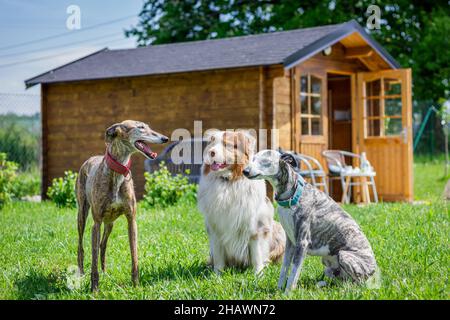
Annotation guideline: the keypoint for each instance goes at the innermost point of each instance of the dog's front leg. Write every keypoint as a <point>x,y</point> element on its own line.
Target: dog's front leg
<point>132,237</point>
<point>287,260</point>
<point>103,244</point>
<point>218,255</point>
<point>259,252</point>
<point>211,248</point>
<point>95,248</point>
<point>299,255</point>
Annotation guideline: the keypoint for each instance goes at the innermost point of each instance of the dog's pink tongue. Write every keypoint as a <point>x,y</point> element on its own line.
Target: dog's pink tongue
<point>153,155</point>
<point>215,166</point>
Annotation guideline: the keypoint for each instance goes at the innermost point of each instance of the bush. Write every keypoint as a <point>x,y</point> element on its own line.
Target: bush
<point>27,184</point>
<point>8,175</point>
<point>162,189</point>
<point>62,190</point>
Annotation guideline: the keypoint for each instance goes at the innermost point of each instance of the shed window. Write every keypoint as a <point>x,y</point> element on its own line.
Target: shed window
<point>383,107</point>
<point>311,105</point>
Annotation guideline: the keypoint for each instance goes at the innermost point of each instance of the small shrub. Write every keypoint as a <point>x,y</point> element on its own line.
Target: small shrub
<point>62,190</point>
<point>27,184</point>
<point>8,175</point>
<point>162,189</point>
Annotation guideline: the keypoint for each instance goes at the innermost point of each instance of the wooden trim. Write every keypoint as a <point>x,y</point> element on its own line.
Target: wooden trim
<point>391,96</point>
<point>340,72</point>
<point>314,116</point>
<point>313,139</point>
<point>407,82</point>
<point>382,118</point>
<point>358,52</point>
<point>262,113</point>
<point>355,123</point>
<point>44,142</point>
<point>296,108</point>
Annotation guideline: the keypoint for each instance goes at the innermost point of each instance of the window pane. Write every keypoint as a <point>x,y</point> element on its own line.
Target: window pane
<point>316,127</point>
<point>316,85</point>
<point>305,126</point>
<point>373,88</point>
<point>373,128</point>
<point>316,105</point>
<point>393,107</point>
<point>393,127</point>
<point>304,84</point>
<point>373,107</point>
<point>392,86</point>
<point>304,104</point>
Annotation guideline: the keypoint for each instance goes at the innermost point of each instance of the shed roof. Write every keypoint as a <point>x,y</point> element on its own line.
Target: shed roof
<point>285,47</point>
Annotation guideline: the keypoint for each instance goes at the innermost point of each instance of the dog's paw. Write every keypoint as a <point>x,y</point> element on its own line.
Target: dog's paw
<point>288,290</point>
<point>259,271</point>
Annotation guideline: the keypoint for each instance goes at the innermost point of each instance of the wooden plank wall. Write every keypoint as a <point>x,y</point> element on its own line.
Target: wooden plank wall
<point>77,114</point>
<point>283,111</point>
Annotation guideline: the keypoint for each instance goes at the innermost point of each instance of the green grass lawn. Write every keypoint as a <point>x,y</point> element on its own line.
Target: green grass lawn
<point>38,245</point>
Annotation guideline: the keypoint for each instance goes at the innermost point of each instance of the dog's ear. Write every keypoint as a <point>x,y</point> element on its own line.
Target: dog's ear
<point>113,131</point>
<point>249,137</point>
<point>290,159</point>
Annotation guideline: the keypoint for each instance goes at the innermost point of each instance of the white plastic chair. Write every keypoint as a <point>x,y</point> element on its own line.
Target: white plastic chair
<point>338,170</point>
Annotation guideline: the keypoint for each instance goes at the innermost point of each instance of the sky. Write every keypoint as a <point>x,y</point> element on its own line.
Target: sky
<point>25,53</point>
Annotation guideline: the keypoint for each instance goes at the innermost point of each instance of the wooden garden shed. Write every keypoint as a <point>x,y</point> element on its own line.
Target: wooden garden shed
<point>327,87</point>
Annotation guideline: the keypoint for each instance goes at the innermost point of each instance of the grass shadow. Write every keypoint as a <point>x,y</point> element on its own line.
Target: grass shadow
<point>38,286</point>
<point>173,271</point>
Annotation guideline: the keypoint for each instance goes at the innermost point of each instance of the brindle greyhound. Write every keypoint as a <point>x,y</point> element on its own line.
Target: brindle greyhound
<point>105,185</point>
<point>313,222</point>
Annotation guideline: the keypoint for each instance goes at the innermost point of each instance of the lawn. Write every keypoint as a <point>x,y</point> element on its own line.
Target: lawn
<point>38,254</point>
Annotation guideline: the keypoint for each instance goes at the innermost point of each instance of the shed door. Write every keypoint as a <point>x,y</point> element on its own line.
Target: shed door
<point>385,130</point>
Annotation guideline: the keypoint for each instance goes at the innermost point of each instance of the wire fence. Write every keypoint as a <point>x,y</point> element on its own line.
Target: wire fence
<point>20,129</point>
<point>19,103</point>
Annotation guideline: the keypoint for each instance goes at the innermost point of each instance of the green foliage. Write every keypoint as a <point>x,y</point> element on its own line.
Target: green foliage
<point>20,139</point>
<point>8,175</point>
<point>28,183</point>
<point>431,61</point>
<point>162,189</point>
<point>62,190</point>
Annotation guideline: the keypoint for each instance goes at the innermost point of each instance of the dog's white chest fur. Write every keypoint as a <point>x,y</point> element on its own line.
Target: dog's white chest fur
<point>288,223</point>
<point>233,211</point>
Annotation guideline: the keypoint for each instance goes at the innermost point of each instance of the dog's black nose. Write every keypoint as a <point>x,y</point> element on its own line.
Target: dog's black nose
<point>246,172</point>
<point>164,139</point>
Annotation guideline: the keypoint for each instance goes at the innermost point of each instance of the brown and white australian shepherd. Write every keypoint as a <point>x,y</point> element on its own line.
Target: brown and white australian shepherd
<point>238,214</point>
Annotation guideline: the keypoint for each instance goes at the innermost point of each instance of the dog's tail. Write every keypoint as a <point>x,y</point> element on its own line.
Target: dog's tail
<point>278,243</point>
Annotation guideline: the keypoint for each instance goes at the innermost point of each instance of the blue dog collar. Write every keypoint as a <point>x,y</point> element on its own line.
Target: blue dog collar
<point>292,201</point>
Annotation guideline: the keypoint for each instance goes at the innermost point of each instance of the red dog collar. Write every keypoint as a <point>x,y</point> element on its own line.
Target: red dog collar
<point>116,166</point>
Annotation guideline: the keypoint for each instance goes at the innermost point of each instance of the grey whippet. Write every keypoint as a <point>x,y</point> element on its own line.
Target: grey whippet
<point>314,223</point>
<point>104,184</point>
